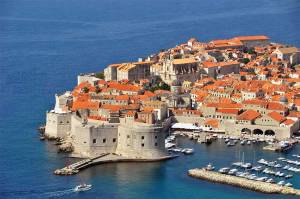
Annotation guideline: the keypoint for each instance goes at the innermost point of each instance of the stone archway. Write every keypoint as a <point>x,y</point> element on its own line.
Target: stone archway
<point>258,132</point>
<point>269,132</point>
<point>246,131</point>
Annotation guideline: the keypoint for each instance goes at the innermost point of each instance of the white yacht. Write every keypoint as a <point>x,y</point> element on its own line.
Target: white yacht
<point>270,180</point>
<point>224,170</point>
<point>288,184</point>
<point>209,167</point>
<point>82,187</point>
<point>232,171</point>
<point>281,183</point>
<point>188,151</point>
<point>263,161</point>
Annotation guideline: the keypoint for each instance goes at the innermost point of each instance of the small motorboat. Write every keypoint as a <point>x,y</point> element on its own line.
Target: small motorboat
<point>243,142</point>
<point>281,183</point>
<point>258,168</point>
<point>246,165</point>
<point>232,171</point>
<point>288,184</point>
<point>270,180</point>
<point>277,165</point>
<point>263,161</point>
<point>238,164</point>
<point>286,167</point>
<point>82,187</point>
<point>188,151</point>
<point>230,144</point>
<point>224,170</point>
<point>289,176</point>
<point>249,142</point>
<point>209,167</point>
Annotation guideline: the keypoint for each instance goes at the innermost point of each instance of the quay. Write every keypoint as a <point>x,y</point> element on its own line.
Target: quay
<point>76,167</point>
<point>257,186</point>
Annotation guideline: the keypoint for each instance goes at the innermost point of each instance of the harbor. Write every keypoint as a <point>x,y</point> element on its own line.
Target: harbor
<point>246,161</point>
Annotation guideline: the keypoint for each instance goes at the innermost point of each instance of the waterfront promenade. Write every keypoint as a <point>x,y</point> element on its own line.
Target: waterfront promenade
<point>262,187</point>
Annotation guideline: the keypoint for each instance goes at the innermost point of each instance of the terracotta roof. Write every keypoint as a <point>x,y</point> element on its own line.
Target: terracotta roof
<point>208,64</point>
<point>294,114</point>
<point>85,105</point>
<point>228,111</point>
<point>257,102</point>
<point>212,122</point>
<point>252,38</point>
<point>111,107</point>
<point>184,61</point>
<point>225,105</point>
<point>276,106</point>
<point>122,97</point>
<point>276,116</point>
<point>249,115</point>
<point>289,122</point>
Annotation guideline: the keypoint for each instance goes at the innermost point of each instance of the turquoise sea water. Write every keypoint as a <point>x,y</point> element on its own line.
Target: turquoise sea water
<point>45,44</point>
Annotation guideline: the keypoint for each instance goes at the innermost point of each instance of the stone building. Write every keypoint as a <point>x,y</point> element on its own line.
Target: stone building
<point>140,140</point>
<point>213,69</point>
<point>180,70</point>
<point>290,54</point>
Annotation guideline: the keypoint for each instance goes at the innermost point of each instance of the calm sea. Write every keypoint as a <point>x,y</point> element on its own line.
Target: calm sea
<point>45,44</point>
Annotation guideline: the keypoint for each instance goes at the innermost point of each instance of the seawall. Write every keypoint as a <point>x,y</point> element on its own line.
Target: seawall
<point>257,186</point>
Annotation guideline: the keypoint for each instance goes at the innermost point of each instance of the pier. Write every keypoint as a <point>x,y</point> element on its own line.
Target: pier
<point>76,167</point>
<point>257,186</point>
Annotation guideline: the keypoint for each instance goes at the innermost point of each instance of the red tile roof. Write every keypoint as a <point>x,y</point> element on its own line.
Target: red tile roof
<point>276,116</point>
<point>249,115</point>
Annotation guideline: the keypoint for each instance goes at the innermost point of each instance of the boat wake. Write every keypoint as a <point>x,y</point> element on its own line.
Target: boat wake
<point>57,194</point>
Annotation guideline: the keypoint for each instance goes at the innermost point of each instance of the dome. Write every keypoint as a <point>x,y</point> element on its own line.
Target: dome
<point>283,99</point>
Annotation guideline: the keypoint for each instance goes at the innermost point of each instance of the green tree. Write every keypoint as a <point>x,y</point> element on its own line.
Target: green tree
<point>245,60</point>
<point>85,89</point>
<point>100,75</point>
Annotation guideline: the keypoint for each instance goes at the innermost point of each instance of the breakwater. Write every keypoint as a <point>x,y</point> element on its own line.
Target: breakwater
<point>257,186</point>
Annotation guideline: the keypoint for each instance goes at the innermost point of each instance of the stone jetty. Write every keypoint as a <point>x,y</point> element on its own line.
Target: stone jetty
<point>262,187</point>
<point>76,167</point>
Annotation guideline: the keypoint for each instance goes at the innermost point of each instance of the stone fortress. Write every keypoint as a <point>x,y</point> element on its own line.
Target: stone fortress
<point>125,136</point>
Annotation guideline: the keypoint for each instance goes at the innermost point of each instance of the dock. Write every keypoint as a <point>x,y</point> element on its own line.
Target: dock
<point>262,187</point>
<point>76,167</point>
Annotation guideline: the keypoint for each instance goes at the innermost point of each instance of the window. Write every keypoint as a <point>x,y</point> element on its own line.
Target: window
<point>114,139</point>
<point>94,141</point>
<point>104,140</point>
<point>142,144</point>
<point>143,137</point>
<point>155,144</point>
<point>128,136</point>
<point>155,137</point>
